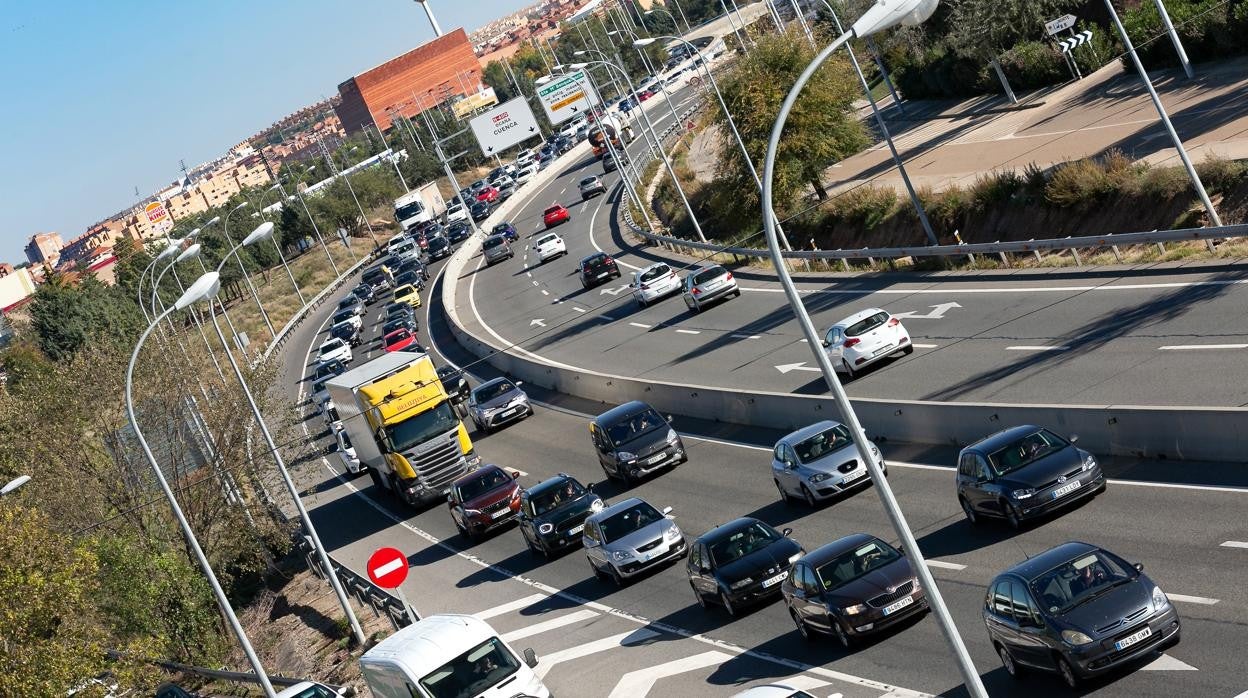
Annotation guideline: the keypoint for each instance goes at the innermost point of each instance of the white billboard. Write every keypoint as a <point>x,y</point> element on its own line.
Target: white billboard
<point>504,126</point>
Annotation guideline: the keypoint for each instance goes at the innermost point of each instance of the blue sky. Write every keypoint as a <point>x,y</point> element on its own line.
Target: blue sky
<point>101,97</point>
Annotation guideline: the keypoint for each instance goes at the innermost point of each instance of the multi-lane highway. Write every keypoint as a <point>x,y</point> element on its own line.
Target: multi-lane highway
<point>650,638</point>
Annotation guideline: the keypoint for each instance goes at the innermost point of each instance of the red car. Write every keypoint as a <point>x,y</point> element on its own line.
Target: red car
<point>644,95</point>
<point>555,215</point>
<point>487,195</point>
<point>399,340</point>
<point>484,499</point>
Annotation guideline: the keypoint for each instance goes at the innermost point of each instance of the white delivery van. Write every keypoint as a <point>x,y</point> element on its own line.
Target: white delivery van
<point>449,656</point>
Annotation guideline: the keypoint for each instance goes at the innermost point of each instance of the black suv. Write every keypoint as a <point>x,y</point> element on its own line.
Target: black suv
<point>553,513</point>
<point>439,247</point>
<point>596,269</point>
<point>633,440</point>
<point>347,332</point>
<point>454,383</point>
<point>739,563</point>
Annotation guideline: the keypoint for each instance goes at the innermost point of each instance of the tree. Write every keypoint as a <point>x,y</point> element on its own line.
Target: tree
<point>820,130</point>
<point>985,29</point>
<point>67,316</point>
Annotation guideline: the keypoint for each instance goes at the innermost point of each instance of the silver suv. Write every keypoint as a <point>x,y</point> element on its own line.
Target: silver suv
<point>496,249</point>
<point>590,186</point>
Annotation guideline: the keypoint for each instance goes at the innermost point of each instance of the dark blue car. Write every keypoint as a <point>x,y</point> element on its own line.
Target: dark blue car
<point>507,230</point>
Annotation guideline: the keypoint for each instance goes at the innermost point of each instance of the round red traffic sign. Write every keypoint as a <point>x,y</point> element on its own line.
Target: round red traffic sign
<point>387,568</point>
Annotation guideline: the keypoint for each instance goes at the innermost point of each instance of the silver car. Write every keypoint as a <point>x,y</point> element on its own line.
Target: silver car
<point>592,186</point>
<point>706,284</point>
<point>346,452</point>
<point>818,462</point>
<point>630,537</point>
<point>498,402</point>
<point>495,249</point>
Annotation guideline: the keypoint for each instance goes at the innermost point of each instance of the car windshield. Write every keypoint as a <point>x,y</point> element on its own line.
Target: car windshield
<point>331,345</point>
<point>344,316</point>
<point>416,430</point>
<point>630,428</point>
<point>488,392</point>
<point>330,369</point>
<point>1081,579</point>
<point>438,242</point>
<point>502,228</point>
<point>631,519</point>
<point>313,691</point>
<point>655,272</point>
<point>1025,451</point>
<point>588,181</point>
<point>404,290</point>
<point>392,326</point>
<point>473,672</point>
<point>827,441</point>
<point>372,276</point>
<point>342,328</point>
<point>493,241</point>
<point>708,274</point>
<point>555,497</point>
<point>596,261</point>
<point>750,538</point>
<point>847,567</point>
<point>485,480</point>
<point>409,210</point>
<point>553,209</point>
<point>347,302</point>
<point>865,325</point>
<point>398,336</point>
<point>547,239</point>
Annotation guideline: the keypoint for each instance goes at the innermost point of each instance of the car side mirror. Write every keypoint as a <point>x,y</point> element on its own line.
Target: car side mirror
<point>588,543</point>
<point>1074,438</point>
<point>787,532</point>
<point>450,499</point>
<point>669,419</point>
<point>1139,566</point>
<point>826,344</point>
<point>515,475</point>
<point>667,510</point>
<point>589,487</point>
<point>530,657</point>
<point>519,383</point>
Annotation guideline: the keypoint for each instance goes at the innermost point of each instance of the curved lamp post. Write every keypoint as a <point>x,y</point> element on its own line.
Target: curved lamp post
<point>281,255</point>
<point>264,231</point>
<point>157,304</point>
<point>247,277</point>
<point>688,28</point>
<point>201,288</point>
<point>315,228</point>
<point>884,14</point>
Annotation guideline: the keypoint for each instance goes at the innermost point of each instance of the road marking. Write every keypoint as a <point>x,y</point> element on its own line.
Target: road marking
<point>545,292</point>
<point>637,684</point>
<point>1201,600</point>
<point>634,637</point>
<point>1035,347</point>
<point>924,346</point>
<point>578,308</point>
<point>1235,544</point>
<point>744,336</point>
<point>937,312</point>
<point>688,331</point>
<point>998,289</point>
<point>638,324</point>
<point>1167,663</point>
<point>537,322</point>
<point>390,567</point>
<point>1190,347</point>
<point>510,606</point>
<point>552,624</point>
<point>945,565</point>
<point>800,366</point>
<point>534,283</point>
<point>802,682</point>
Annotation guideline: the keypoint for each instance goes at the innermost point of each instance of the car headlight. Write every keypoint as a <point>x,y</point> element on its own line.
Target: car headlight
<point>625,456</point>
<point>1076,638</point>
<point>1160,600</point>
<point>672,534</point>
<point>855,609</point>
<point>596,505</point>
<point>795,557</point>
<point>545,528</point>
<point>621,555</point>
<point>875,450</point>
<point>672,438</point>
<point>741,584</point>
<point>1089,462</point>
<point>472,512</point>
<point>819,477</point>
<point>1023,493</point>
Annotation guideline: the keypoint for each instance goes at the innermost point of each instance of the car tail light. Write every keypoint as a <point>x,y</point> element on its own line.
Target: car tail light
<point>645,287</point>
<point>851,342</point>
<point>586,269</point>
<point>696,291</point>
<point>893,322</point>
<point>728,276</point>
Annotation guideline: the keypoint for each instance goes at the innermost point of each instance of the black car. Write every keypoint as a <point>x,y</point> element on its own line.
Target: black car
<point>347,315</point>
<point>851,588</point>
<point>364,291</point>
<point>400,323</point>
<point>347,332</point>
<point>412,265</point>
<point>439,247</point>
<point>597,268</point>
<point>1024,472</point>
<point>1078,610</point>
<point>398,309</point>
<point>454,383</point>
<point>410,277</point>
<point>479,211</point>
<point>633,440</point>
<point>740,563</point>
<point>609,163</point>
<point>377,279</point>
<point>553,513</point>
<point>563,144</point>
<point>458,232</point>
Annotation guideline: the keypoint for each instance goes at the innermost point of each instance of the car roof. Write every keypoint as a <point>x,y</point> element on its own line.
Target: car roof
<point>860,315</point>
<point>474,474</point>
<point>591,178</point>
<point>492,382</point>
<point>617,413</point>
<point>556,207</point>
<point>549,484</point>
<point>826,552</point>
<point>617,508</point>
<point>994,441</point>
<point>726,529</point>
<point>596,255</point>
<point>1047,560</point>
<point>808,431</point>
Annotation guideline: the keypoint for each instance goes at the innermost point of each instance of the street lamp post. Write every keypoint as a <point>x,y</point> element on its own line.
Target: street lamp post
<point>262,232</point>
<point>193,252</point>
<point>688,28</point>
<point>315,228</point>
<point>282,256</point>
<point>1174,39</point>
<point>347,178</point>
<point>882,15</point>
<point>242,268</point>
<point>156,303</point>
<point>394,156</point>
<point>433,21</point>
<point>204,285</point>
<point>615,83</point>
<point>681,10</point>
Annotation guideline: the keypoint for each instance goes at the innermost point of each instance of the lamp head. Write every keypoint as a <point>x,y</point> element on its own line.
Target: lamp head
<point>188,253</point>
<point>578,66</point>
<point>242,205</point>
<point>886,14</point>
<point>205,286</point>
<point>174,247</point>
<point>194,233</point>
<point>646,41</point>
<point>214,221</point>
<point>264,231</point>
<point>14,484</point>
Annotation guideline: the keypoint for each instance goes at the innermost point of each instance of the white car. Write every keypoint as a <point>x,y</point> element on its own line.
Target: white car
<point>549,246</point>
<point>773,690</point>
<point>334,348</point>
<point>653,283</point>
<point>526,173</point>
<point>455,211</point>
<point>346,452</point>
<point>503,181</point>
<point>524,160</point>
<point>311,689</point>
<point>863,339</point>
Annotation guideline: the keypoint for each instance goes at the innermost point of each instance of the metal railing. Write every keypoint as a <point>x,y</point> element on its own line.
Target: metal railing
<point>383,603</point>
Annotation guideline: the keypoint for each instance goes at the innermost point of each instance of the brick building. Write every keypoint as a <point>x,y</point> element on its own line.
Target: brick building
<point>44,248</point>
<point>426,76</point>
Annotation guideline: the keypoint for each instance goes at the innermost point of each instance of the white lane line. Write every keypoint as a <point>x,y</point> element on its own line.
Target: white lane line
<point>638,324</point>
<point>688,332</point>
<point>534,283</point>
<point>997,289</point>
<point>552,624</point>
<point>1235,544</point>
<point>924,346</point>
<point>945,565</point>
<point>528,273</point>
<point>637,684</point>
<point>578,308</point>
<point>802,682</point>
<point>545,292</point>
<point>744,336</point>
<point>1190,347</point>
<point>634,637</point>
<point>1201,600</point>
<point>1036,347</point>
<point>510,606</point>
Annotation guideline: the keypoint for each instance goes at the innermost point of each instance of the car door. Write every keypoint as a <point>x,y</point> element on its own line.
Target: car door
<point>455,504</point>
<point>635,286</point>
<point>523,520</point>
<point>999,617</point>
<point>809,598</point>
<point>784,467</point>
<point>1029,625</point>
<point>834,345</point>
<point>700,573</point>
<point>591,540</point>
<point>980,490</point>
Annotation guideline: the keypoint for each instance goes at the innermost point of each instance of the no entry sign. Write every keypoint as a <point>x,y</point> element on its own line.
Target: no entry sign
<point>387,568</point>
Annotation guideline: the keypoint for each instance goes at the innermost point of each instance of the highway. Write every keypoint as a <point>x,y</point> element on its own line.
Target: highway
<point>650,638</point>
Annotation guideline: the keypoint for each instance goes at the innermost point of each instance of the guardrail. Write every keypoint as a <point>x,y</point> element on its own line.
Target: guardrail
<point>362,588</point>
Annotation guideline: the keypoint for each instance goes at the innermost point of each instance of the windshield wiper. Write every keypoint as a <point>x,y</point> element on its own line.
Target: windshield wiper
<point>1097,594</point>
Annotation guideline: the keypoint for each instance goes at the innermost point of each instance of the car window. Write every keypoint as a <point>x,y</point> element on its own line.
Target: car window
<point>966,465</point>
<point>654,272</point>
<point>484,481</point>
<point>473,672</point>
<point>855,563</point>
<point>493,241</point>
<point>399,336</point>
<point>588,180</point>
<point>596,261</point>
<point>631,519</point>
<point>486,393</point>
<point>808,579</point>
<point>549,500</point>
<point>1020,602</point>
<point>999,599</point>
<point>827,441</point>
<point>332,345</point>
<point>1071,583</point>
<point>708,274</point>
<point>1025,450</point>
<point>632,427</point>
<point>546,239</point>
<point>866,324</point>
<point>748,539</point>
<point>553,209</point>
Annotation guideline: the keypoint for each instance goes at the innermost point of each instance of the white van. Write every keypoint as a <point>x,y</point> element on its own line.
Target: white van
<point>449,656</point>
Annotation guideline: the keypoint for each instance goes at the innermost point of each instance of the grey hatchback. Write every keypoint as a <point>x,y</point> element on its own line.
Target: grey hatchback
<point>495,249</point>
<point>818,462</point>
<point>633,440</point>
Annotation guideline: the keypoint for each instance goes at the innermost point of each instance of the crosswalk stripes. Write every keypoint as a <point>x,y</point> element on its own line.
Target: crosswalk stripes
<point>552,624</point>
<point>633,637</point>
<point>509,607</point>
<point>803,682</point>
<point>639,682</point>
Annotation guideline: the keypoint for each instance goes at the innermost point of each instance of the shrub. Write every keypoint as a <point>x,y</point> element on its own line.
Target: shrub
<point>1032,64</point>
<point>1078,182</point>
<point>867,206</point>
<point>997,187</point>
<point>1164,182</point>
<point>1221,175</point>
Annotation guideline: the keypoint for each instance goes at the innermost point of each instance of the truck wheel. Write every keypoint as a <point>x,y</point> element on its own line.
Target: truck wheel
<point>376,478</point>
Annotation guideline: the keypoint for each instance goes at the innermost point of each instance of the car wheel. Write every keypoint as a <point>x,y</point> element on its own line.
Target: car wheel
<point>1007,661</point>
<point>727,604</point>
<point>695,308</point>
<point>971,516</point>
<point>784,496</point>
<point>597,572</point>
<point>736,293</point>
<point>801,627</point>
<point>908,350</point>
<point>698,595</point>
<point>1011,516</point>
<point>615,575</point>
<point>841,635</point>
<point>809,497</point>
<point>1067,672</point>
<point>641,302</point>
<point>534,548</point>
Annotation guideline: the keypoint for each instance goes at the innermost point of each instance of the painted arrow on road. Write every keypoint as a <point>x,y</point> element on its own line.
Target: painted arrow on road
<point>614,291</point>
<point>937,312</point>
<point>539,322</point>
<point>785,368</point>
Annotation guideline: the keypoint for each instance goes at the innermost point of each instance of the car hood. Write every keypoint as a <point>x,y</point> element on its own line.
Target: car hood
<point>500,400</point>
<point>768,561</point>
<point>831,462</point>
<point>641,536</point>
<point>874,583</point>
<point>494,496</point>
<point>1046,469</point>
<point>1113,605</point>
<point>647,443</point>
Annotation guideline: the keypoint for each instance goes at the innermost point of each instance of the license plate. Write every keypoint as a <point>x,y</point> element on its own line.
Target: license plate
<point>714,285</point>
<point>898,605</point>
<point>500,513</point>
<point>854,475</point>
<point>509,412</point>
<point>656,458</point>
<point>775,580</point>
<point>1066,489</point>
<point>576,530</point>
<point>1133,638</point>
<point>885,350</point>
